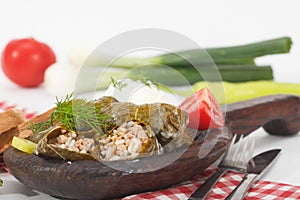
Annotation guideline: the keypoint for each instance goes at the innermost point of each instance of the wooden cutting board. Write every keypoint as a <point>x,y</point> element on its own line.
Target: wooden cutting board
<point>278,115</point>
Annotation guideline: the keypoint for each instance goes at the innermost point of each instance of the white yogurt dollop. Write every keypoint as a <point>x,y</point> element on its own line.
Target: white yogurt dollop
<point>137,92</point>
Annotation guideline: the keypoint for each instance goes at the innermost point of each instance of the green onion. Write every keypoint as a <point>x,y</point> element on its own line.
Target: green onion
<point>184,76</point>
<point>233,64</point>
<point>239,55</point>
<point>235,92</point>
<point>234,55</point>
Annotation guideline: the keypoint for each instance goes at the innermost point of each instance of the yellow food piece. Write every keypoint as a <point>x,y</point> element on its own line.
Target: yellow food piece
<point>24,145</point>
<point>235,92</point>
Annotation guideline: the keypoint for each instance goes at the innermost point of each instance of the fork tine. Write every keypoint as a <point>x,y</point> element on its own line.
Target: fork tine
<point>236,150</point>
<point>239,153</point>
<point>247,152</point>
<point>232,151</point>
<point>230,148</point>
<point>239,160</point>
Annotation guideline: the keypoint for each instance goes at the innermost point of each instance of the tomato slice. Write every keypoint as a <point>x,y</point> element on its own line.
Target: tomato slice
<point>24,145</point>
<point>203,109</point>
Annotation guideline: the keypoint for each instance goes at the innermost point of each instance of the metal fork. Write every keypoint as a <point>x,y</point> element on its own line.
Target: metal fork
<point>235,159</point>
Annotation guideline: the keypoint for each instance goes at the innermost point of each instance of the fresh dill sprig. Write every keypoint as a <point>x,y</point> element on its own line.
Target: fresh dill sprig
<point>74,114</point>
<point>117,84</point>
<point>40,126</point>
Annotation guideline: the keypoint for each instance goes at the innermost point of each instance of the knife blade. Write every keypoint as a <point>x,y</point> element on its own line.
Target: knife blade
<point>254,171</point>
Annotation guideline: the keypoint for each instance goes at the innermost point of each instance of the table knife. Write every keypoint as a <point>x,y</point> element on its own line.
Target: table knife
<point>254,171</point>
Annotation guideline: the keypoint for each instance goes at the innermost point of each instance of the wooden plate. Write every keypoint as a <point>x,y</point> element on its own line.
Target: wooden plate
<point>278,115</point>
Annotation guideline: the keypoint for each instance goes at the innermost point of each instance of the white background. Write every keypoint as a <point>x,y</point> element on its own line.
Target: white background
<point>64,24</point>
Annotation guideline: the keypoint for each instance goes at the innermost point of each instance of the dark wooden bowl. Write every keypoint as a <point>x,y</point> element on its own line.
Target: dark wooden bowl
<point>278,115</point>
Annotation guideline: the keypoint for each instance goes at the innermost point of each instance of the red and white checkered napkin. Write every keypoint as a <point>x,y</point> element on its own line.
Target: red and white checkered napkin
<point>5,106</point>
<point>261,190</point>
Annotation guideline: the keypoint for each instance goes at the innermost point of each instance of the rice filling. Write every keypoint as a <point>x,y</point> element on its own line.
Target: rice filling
<point>127,141</point>
<point>70,140</point>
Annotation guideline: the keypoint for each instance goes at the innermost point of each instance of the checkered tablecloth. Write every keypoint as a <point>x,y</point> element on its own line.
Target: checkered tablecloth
<point>266,190</point>
<point>261,190</point>
<point>5,106</point>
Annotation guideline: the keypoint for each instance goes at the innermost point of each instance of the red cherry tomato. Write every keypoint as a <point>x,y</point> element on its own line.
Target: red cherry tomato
<point>24,61</point>
<point>204,111</point>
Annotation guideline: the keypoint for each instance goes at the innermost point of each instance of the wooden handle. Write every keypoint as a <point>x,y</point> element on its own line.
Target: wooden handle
<point>277,114</point>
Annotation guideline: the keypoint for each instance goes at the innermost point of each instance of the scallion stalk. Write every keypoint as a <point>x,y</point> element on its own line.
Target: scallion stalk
<point>234,55</point>
<point>184,76</point>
